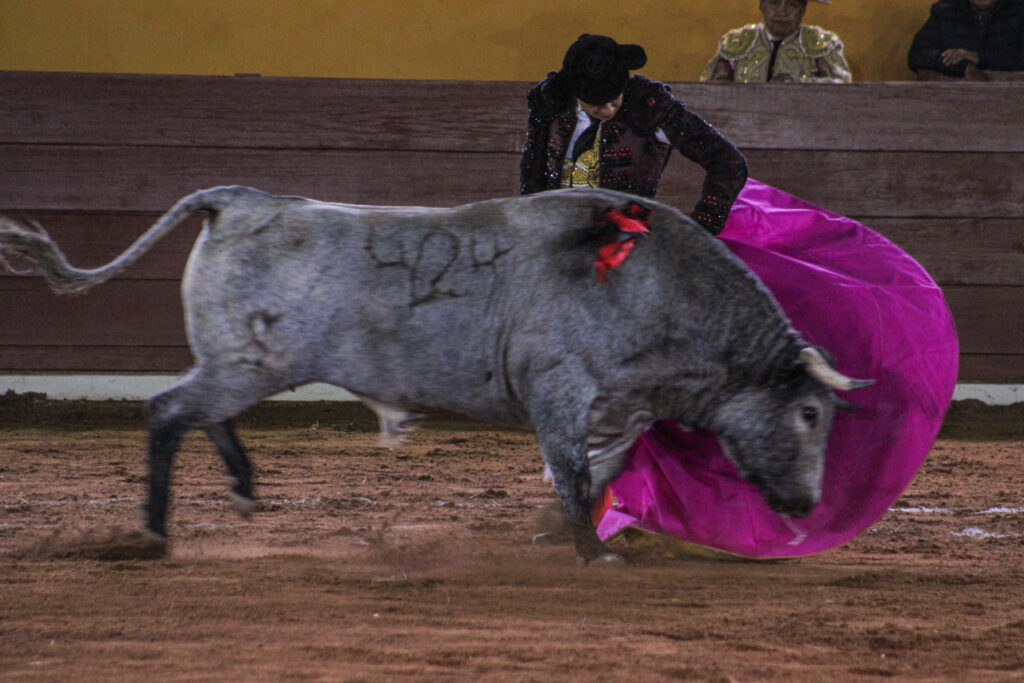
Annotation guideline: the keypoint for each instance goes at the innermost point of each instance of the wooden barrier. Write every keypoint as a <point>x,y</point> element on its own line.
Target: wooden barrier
<point>934,166</point>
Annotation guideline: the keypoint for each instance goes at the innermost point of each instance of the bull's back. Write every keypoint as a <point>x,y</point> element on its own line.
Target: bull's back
<point>395,303</point>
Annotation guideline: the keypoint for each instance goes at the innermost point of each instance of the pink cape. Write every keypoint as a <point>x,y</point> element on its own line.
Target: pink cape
<point>848,289</point>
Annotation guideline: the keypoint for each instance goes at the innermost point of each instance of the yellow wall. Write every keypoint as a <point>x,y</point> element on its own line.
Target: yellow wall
<point>422,39</point>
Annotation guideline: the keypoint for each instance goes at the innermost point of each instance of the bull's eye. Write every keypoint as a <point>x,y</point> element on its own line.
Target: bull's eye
<point>809,415</point>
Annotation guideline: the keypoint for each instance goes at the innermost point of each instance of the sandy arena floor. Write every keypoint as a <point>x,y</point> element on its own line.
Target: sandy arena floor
<point>416,564</point>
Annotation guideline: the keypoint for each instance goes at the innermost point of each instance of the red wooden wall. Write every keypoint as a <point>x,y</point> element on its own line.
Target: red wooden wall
<point>937,167</point>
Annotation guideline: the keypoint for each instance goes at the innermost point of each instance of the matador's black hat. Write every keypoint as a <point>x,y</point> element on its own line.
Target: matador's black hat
<point>598,67</point>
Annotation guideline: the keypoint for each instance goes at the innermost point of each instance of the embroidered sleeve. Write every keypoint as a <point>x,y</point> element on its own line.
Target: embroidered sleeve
<point>734,45</point>
<point>825,46</point>
<point>718,69</point>
<point>737,43</point>
<point>531,163</point>
<point>543,102</point>
<point>725,166</point>
<point>839,70</point>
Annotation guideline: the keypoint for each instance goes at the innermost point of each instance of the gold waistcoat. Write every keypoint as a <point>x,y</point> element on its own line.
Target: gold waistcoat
<point>586,171</point>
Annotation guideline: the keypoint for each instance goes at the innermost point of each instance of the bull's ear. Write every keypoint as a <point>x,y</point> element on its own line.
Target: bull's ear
<point>820,369</point>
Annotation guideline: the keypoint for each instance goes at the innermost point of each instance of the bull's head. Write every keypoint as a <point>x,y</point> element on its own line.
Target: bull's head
<point>776,435</point>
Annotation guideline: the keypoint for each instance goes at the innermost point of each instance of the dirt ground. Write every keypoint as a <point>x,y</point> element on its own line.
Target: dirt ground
<point>416,564</point>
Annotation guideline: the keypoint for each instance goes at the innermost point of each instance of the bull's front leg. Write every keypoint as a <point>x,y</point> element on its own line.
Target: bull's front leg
<point>571,475</point>
<point>558,401</point>
<point>562,436</point>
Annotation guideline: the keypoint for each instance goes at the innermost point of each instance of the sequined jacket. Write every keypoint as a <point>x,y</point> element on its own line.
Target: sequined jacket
<point>747,50</point>
<point>632,158</point>
<point>998,39</point>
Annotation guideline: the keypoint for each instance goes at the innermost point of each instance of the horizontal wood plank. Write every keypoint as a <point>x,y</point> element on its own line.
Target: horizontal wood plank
<point>905,184</point>
<point>151,179</point>
<point>99,359</point>
<point>894,117</point>
<point>281,113</point>
<point>116,313</point>
<point>876,184</point>
<point>987,318</point>
<point>960,251</point>
<point>309,113</point>
<point>991,368</point>
<point>996,368</point>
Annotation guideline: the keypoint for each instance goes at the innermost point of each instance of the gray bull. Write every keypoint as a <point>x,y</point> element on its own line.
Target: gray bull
<point>492,310</point>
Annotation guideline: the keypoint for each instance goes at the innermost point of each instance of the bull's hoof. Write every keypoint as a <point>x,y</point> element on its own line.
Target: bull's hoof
<point>142,546</point>
<point>551,538</point>
<point>243,506</point>
<point>153,537</point>
<point>149,533</point>
<point>602,560</point>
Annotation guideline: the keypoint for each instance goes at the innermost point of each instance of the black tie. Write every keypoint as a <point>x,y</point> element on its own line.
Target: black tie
<point>586,139</point>
<point>775,53</point>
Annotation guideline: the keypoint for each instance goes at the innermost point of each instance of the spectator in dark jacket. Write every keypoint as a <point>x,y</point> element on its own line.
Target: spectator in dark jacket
<point>964,38</point>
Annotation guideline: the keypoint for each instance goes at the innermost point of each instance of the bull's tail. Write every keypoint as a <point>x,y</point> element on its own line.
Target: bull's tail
<point>36,246</point>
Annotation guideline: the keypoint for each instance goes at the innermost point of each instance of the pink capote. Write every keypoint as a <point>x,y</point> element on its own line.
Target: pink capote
<point>848,289</point>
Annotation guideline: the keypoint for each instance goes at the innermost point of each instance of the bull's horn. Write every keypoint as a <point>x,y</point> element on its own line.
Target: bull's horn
<point>819,369</point>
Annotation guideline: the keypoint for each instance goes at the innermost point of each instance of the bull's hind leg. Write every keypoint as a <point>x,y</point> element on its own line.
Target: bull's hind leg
<point>395,423</point>
<point>164,438</point>
<point>204,398</point>
<point>239,475</point>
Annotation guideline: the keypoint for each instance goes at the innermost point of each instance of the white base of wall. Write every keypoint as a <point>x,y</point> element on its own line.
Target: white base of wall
<point>992,394</point>
<point>137,387</point>
<point>141,387</point>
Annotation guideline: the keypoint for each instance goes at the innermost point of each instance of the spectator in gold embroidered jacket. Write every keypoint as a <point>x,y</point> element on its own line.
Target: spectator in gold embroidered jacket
<point>592,124</point>
<point>782,48</point>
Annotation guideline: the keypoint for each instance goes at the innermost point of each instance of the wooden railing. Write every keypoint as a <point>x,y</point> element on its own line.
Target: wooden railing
<point>937,167</point>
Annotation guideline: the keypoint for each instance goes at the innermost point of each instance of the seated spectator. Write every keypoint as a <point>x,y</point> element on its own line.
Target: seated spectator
<point>964,38</point>
<point>780,49</point>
